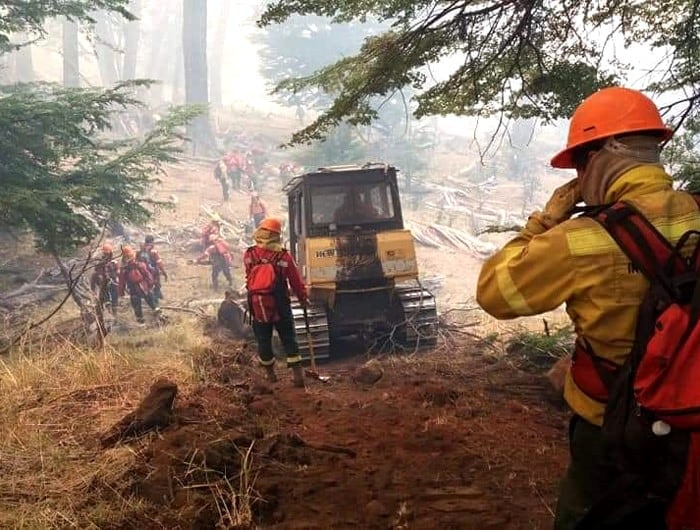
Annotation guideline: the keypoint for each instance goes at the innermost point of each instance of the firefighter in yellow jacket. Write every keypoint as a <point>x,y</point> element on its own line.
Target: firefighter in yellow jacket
<point>614,144</point>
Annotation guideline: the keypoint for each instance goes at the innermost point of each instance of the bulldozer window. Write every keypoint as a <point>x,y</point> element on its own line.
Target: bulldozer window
<point>356,204</point>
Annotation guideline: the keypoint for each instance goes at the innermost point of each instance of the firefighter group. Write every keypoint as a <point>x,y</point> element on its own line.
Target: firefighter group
<point>270,273</point>
<point>138,273</point>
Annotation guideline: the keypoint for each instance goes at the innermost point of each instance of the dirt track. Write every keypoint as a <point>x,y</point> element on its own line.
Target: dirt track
<point>440,441</point>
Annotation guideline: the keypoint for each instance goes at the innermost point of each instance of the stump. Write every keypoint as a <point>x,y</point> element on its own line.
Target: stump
<point>153,413</point>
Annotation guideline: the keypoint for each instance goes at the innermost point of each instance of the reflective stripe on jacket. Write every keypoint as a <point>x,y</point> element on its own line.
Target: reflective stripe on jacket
<point>577,263</point>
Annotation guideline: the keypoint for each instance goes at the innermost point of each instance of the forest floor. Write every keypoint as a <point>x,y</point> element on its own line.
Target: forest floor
<point>455,438</point>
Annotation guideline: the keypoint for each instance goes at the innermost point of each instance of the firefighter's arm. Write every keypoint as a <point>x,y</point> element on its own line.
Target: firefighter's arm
<point>296,282</point>
<point>247,264</point>
<point>202,258</point>
<point>557,210</point>
<point>146,274</point>
<point>159,264</point>
<point>529,276</point>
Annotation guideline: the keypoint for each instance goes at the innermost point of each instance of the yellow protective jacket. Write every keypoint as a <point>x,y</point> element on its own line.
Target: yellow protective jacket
<point>577,263</point>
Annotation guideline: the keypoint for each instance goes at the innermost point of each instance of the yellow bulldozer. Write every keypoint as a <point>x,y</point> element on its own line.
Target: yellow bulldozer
<point>346,233</point>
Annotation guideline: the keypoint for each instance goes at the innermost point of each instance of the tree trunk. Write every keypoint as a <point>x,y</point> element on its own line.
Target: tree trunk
<point>71,61</point>
<point>131,42</point>
<point>24,65</point>
<point>178,71</point>
<point>194,46</point>
<point>5,69</point>
<point>86,314</point>
<point>107,49</point>
<point>157,61</point>
<point>218,45</point>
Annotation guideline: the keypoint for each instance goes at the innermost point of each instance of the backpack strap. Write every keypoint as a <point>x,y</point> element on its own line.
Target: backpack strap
<point>644,245</point>
<point>659,261</point>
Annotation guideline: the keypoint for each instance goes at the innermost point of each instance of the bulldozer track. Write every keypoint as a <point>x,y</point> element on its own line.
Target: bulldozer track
<point>418,330</point>
<point>420,326</point>
<point>318,326</point>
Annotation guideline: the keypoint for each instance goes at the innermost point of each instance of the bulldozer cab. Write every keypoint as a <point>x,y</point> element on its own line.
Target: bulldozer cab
<point>347,234</point>
<point>342,199</point>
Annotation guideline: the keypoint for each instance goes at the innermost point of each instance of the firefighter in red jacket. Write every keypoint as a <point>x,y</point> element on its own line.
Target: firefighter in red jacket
<point>217,254</point>
<point>212,227</point>
<point>268,248</point>
<point>257,209</point>
<point>136,279</point>
<point>151,257</point>
<point>104,281</point>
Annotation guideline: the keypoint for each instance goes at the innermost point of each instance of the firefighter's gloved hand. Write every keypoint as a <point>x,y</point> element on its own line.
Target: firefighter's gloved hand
<point>558,209</point>
<point>562,201</point>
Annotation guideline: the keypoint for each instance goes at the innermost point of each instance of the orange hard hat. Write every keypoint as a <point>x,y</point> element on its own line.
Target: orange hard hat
<point>610,112</point>
<point>107,248</point>
<point>271,224</point>
<point>128,252</point>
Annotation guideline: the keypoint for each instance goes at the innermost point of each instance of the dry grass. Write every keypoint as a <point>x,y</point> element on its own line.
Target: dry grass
<point>234,502</point>
<point>54,403</point>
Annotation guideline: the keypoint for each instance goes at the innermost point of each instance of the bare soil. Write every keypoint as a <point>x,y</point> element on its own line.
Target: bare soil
<point>448,439</point>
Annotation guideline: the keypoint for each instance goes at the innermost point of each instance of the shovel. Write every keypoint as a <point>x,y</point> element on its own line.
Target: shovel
<point>312,372</point>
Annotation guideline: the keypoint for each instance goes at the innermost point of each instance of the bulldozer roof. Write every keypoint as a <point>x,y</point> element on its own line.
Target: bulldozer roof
<point>330,172</point>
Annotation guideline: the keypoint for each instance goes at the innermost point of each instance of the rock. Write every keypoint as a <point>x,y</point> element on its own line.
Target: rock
<point>153,413</point>
<point>369,373</point>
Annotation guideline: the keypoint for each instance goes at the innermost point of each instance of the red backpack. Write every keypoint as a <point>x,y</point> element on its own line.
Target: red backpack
<point>263,285</point>
<point>137,278</point>
<point>223,251</point>
<point>652,414</point>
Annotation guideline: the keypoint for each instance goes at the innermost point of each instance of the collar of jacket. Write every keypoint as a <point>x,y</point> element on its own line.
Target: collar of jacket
<point>640,180</point>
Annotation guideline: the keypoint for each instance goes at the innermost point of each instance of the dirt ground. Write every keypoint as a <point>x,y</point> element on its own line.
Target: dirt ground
<point>448,439</point>
<point>454,438</point>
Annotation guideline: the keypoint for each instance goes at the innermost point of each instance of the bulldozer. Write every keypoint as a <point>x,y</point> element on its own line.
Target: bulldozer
<point>346,233</point>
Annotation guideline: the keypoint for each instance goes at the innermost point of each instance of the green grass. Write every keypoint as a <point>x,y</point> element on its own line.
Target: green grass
<point>537,351</point>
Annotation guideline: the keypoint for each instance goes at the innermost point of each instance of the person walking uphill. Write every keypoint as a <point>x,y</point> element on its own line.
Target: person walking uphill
<point>136,279</point>
<point>270,271</point>
<point>104,281</point>
<point>212,227</point>
<point>257,210</point>
<point>151,257</point>
<point>217,254</point>
<point>614,144</point>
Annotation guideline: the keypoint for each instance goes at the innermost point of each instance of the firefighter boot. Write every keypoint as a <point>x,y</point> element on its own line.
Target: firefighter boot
<point>298,376</point>
<point>270,373</point>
